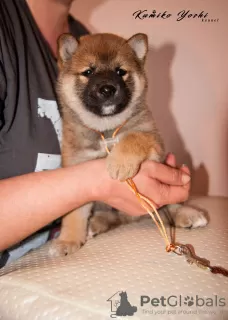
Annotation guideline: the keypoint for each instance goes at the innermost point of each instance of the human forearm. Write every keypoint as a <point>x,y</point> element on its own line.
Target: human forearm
<point>29,202</point>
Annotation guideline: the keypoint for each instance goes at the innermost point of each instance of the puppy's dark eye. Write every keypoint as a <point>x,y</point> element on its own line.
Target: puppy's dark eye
<point>121,72</point>
<point>87,72</point>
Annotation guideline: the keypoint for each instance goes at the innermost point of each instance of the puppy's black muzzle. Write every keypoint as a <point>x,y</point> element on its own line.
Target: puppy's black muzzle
<point>104,90</point>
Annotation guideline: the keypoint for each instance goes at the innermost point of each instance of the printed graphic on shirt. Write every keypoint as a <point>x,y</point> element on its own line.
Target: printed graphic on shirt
<point>49,109</point>
<point>47,161</point>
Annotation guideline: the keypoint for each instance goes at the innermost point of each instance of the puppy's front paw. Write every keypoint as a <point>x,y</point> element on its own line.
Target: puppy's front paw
<point>122,167</point>
<point>67,244</point>
<point>59,248</point>
<point>190,217</point>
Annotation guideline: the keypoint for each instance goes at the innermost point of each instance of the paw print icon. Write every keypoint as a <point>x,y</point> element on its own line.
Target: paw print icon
<point>188,301</point>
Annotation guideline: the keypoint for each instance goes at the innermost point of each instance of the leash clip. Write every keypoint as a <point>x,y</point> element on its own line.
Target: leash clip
<point>109,142</point>
<point>178,250</point>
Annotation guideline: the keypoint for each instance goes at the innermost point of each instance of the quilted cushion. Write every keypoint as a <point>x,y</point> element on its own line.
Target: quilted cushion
<point>91,284</point>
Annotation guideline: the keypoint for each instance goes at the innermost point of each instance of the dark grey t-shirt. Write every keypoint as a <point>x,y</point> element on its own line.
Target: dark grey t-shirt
<point>30,124</point>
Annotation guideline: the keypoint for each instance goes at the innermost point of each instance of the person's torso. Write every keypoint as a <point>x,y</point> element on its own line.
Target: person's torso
<point>30,126</point>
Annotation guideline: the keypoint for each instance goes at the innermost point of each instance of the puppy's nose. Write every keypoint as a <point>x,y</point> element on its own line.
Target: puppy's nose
<point>107,91</point>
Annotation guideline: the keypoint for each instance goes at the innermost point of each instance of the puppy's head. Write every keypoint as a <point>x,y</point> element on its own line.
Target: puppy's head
<point>102,77</point>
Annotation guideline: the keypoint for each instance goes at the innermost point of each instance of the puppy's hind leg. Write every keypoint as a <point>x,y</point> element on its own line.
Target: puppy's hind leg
<point>73,232</point>
<point>105,219</point>
<point>187,216</point>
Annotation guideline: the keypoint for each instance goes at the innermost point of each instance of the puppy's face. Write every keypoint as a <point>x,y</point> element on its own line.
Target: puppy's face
<point>102,76</point>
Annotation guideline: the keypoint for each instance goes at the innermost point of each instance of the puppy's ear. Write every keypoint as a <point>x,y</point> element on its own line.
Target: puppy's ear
<point>139,43</point>
<point>67,46</point>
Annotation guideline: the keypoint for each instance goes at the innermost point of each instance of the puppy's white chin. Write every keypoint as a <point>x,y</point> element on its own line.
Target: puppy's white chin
<point>108,110</point>
<point>108,121</point>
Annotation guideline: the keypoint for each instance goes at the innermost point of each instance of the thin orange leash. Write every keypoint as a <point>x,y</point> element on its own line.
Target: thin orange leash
<point>179,249</point>
<point>144,201</point>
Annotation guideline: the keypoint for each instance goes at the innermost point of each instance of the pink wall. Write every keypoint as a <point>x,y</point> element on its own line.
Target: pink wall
<point>187,68</point>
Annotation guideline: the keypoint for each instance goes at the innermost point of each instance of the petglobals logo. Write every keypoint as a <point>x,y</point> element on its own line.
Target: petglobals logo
<point>182,305</point>
<point>121,305</point>
<point>180,301</point>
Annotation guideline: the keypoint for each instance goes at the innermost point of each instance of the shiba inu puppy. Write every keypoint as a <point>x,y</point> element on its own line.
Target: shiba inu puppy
<point>102,85</point>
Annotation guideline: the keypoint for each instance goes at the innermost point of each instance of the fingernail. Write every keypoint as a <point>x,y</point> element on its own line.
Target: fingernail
<point>185,178</point>
<point>171,154</point>
<point>184,165</point>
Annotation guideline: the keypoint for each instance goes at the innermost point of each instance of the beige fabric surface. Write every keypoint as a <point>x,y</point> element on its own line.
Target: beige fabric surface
<point>131,258</point>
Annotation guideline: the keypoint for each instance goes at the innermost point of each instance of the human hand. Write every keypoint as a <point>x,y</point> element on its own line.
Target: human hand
<point>161,183</point>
